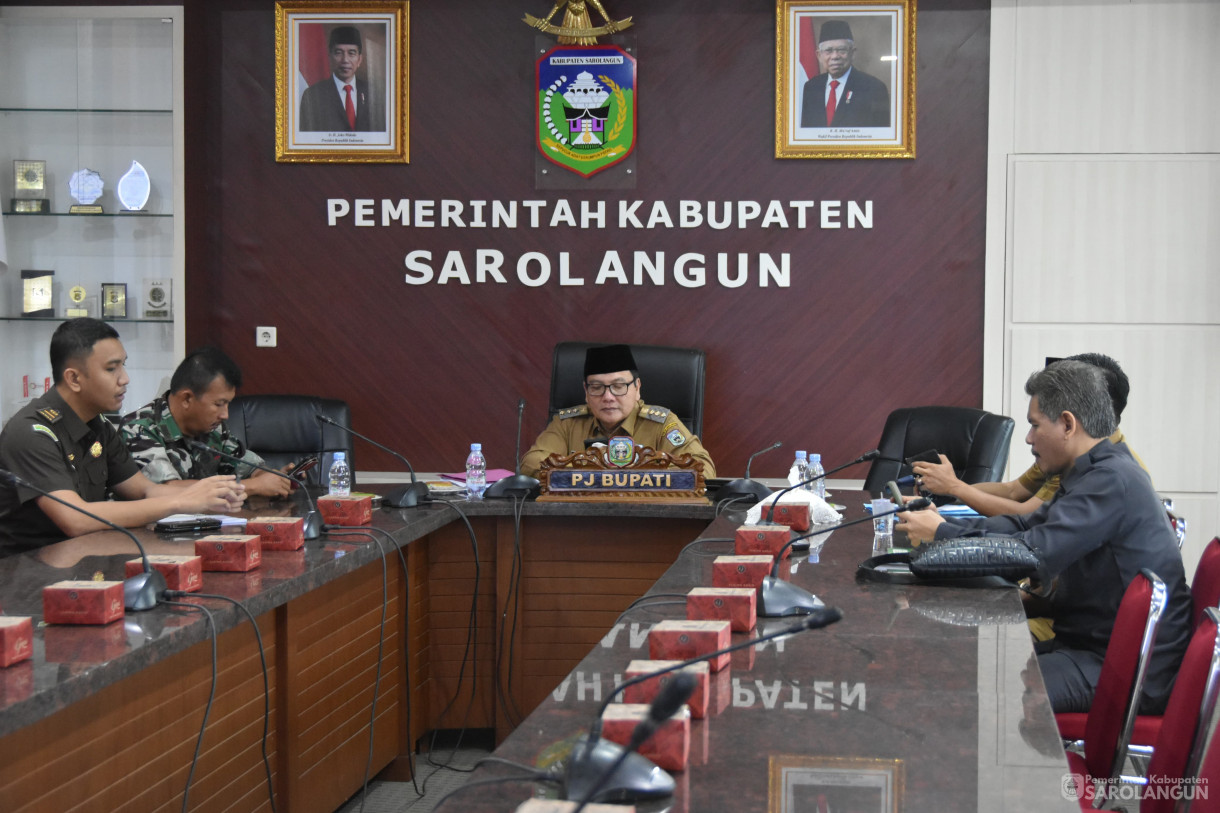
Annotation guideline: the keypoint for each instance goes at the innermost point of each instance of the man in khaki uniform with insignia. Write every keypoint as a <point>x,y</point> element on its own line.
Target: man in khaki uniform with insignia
<point>62,444</point>
<point>613,407</point>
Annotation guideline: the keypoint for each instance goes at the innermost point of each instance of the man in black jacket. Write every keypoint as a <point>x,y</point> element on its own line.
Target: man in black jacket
<point>1104,526</point>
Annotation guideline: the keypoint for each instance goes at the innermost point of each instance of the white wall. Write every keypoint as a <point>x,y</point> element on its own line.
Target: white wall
<point>1103,222</point>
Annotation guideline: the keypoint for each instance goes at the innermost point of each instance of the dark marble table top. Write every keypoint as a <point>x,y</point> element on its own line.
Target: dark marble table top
<point>926,693</point>
<point>70,663</point>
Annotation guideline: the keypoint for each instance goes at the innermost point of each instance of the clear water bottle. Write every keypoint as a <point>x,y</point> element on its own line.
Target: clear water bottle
<point>340,476</point>
<point>798,472</point>
<point>476,472</point>
<point>815,469</point>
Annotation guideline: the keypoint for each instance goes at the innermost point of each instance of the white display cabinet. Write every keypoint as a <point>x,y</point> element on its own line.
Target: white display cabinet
<point>92,87</point>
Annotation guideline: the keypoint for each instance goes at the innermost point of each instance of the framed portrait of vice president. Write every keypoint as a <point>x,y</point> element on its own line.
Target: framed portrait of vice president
<point>845,79</point>
<point>341,90</point>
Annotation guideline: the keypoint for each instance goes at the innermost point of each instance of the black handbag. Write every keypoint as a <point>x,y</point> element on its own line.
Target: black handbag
<point>968,557</point>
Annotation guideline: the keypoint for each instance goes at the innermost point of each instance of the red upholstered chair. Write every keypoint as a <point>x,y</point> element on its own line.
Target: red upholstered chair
<point>1107,726</point>
<point>1209,771</point>
<point>1189,721</point>
<point>1204,593</point>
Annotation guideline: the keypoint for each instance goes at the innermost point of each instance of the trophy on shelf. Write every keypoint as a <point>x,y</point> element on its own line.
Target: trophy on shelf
<point>114,300</point>
<point>38,294</point>
<point>30,187</point>
<point>133,188</point>
<point>79,307</point>
<point>86,187</point>
<point>157,299</point>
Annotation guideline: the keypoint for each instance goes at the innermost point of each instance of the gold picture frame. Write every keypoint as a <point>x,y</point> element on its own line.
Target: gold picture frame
<point>870,45</point>
<point>313,77</point>
<point>797,782</point>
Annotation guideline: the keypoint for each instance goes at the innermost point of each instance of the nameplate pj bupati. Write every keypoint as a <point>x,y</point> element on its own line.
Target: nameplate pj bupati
<point>622,472</point>
<point>621,480</point>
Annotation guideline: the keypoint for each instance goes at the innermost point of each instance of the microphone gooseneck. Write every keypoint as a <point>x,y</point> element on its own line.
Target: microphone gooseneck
<point>778,598</point>
<point>515,485</point>
<point>870,455</point>
<point>743,489</point>
<point>312,525</point>
<point>598,770</point>
<point>404,497</point>
<point>141,592</point>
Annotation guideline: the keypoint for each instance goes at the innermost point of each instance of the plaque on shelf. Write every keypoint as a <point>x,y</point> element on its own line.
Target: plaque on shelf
<point>157,299</point>
<point>38,294</point>
<point>133,188</point>
<point>78,308</point>
<point>86,187</point>
<point>30,187</point>
<point>114,300</point>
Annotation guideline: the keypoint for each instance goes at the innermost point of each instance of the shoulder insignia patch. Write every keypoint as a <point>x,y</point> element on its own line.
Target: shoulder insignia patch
<point>46,431</point>
<point>676,437</point>
<point>49,414</point>
<point>573,412</point>
<point>655,413</point>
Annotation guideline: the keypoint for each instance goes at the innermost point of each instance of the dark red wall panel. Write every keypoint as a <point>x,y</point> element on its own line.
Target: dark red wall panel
<point>874,318</point>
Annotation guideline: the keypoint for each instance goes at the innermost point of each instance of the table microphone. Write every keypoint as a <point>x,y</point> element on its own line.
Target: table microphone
<point>743,489</point>
<point>517,483</point>
<point>870,455</point>
<point>402,497</point>
<point>141,592</point>
<point>666,704</point>
<point>638,778</point>
<point>778,598</point>
<point>312,525</point>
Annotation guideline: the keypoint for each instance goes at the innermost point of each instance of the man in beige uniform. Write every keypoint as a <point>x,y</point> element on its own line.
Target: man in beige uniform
<point>613,407</point>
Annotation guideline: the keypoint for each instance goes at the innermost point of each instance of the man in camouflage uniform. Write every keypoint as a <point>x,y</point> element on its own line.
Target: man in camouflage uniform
<point>195,408</point>
<point>613,407</point>
<point>62,444</point>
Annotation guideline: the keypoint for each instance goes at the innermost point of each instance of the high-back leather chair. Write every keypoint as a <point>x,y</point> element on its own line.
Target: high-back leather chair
<point>974,440</point>
<point>282,428</point>
<point>671,377</point>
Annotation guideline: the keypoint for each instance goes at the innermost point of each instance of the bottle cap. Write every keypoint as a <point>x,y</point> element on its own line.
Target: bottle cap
<point>815,457</point>
<point>476,447</point>
<point>800,455</point>
<point>340,456</point>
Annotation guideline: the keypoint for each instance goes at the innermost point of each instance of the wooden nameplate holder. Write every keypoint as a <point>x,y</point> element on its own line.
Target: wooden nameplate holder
<point>652,477</point>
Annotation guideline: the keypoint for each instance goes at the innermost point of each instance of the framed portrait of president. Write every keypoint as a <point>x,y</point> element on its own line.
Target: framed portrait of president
<point>845,79</point>
<point>341,89</point>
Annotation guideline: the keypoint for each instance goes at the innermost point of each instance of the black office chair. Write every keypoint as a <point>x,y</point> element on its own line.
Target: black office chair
<point>671,377</point>
<point>282,428</point>
<point>975,441</point>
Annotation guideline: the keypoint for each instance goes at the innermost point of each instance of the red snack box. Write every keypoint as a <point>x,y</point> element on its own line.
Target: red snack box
<point>350,510</point>
<point>233,552</point>
<point>738,605</point>
<point>740,571</point>
<point>82,602</point>
<point>16,639</point>
<point>183,573</point>
<point>278,533</point>
<point>646,691</point>
<point>757,539</point>
<point>669,748</point>
<point>793,514</point>
<point>683,640</point>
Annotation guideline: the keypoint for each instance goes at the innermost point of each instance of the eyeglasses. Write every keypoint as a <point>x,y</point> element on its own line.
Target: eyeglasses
<point>597,388</point>
<point>836,51</point>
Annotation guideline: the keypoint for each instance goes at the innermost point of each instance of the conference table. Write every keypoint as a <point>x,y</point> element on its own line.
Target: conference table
<point>503,617</point>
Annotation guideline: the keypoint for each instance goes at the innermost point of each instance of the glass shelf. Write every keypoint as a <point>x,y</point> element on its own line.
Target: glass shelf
<point>154,111</point>
<point>64,319</point>
<point>69,214</point>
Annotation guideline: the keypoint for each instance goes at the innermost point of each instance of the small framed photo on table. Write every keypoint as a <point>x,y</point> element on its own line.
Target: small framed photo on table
<point>845,79</point>
<point>341,82</point>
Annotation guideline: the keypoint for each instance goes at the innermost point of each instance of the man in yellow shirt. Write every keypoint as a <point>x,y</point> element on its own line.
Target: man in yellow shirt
<point>1033,488</point>
<point>613,407</point>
